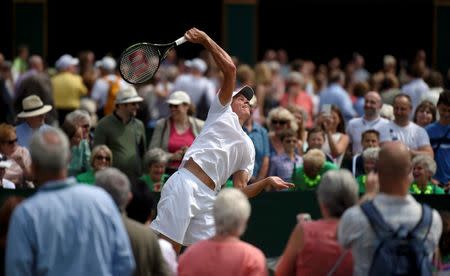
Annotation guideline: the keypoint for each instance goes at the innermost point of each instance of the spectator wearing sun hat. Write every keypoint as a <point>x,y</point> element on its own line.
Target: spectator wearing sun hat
<point>124,134</point>
<point>68,86</point>
<point>4,164</point>
<point>177,132</point>
<point>33,113</point>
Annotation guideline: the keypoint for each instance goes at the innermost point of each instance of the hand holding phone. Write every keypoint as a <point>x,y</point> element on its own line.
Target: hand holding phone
<point>326,109</point>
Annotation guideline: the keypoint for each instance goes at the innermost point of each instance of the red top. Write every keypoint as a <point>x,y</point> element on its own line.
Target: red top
<point>321,250</point>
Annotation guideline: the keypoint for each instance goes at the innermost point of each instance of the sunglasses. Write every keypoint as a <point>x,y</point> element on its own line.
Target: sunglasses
<point>279,122</point>
<point>101,157</point>
<point>10,142</point>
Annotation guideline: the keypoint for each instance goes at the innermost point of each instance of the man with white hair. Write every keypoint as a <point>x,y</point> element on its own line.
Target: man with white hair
<point>65,228</point>
<point>68,86</point>
<point>124,134</point>
<point>146,250</point>
<point>231,255</point>
<point>106,87</point>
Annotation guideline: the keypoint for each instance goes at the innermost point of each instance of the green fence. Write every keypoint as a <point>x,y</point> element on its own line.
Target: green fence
<point>274,215</point>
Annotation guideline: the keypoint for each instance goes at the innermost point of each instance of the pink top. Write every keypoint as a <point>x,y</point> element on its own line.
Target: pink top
<point>219,258</point>
<point>321,250</point>
<point>179,140</point>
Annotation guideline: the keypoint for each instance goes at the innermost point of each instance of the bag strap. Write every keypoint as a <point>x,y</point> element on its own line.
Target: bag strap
<point>338,262</point>
<point>425,221</point>
<point>375,219</point>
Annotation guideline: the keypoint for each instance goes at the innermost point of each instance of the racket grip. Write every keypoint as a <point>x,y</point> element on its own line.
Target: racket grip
<point>180,41</point>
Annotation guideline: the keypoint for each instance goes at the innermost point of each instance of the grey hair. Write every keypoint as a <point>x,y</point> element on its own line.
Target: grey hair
<point>337,191</point>
<point>155,155</point>
<point>78,115</point>
<point>116,183</point>
<point>425,160</point>
<point>49,150</point>
<point>371,153</point>
<point>231,212</point>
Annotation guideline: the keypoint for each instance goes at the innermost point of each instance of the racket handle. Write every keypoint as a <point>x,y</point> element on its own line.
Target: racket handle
<point>180,41</point>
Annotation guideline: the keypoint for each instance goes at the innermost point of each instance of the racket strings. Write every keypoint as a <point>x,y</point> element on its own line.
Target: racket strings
<point>139,63</point>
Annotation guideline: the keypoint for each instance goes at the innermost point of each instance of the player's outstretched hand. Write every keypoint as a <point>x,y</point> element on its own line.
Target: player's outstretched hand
<point>279,184</point>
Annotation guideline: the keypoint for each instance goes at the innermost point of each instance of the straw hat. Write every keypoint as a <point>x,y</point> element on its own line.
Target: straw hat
<point>33,106</point>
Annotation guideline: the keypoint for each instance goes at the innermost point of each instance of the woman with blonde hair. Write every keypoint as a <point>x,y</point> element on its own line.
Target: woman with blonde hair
<point>278,120</point>
<point>101,158</point>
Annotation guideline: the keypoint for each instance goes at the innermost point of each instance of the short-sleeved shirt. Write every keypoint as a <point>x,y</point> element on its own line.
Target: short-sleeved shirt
<point>440,136</point>
<point>357,126</point>
<point>222,147</point>
<point>411,135</point>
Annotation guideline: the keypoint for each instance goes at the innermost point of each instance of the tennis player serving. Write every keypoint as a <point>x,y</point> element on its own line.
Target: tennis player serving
<point>221,149</point>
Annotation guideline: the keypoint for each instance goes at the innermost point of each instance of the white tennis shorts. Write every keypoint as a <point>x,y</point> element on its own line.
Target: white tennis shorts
<point>185,210</point>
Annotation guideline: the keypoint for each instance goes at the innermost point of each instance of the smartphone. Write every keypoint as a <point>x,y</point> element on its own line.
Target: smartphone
<point>326,109</point>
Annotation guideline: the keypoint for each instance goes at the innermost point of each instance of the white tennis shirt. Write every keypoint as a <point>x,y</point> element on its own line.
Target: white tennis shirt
<point>222,147</point>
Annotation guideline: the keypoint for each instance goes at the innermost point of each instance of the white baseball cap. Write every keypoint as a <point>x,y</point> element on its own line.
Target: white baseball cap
<point>198,64</point>
<point>65,61</point>
<point>179,97</point>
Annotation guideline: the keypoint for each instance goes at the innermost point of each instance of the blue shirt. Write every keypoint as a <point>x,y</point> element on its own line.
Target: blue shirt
<point>282,166</point>
<point>335,94</point>
<point>438,137</point>
<point>260,140</point>
<point>24,133</point>
<point>68,229</point>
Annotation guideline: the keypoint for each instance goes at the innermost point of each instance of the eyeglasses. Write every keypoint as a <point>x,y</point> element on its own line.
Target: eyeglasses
<point>279,122</point>
<point>101,157</point>
<point>10,142</point>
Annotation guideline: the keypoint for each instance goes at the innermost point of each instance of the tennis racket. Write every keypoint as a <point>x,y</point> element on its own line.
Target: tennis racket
<point>139,62</point>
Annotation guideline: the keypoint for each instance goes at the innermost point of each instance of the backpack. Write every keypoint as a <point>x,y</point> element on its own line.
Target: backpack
<point>399,252</point>
<point>114,87</point>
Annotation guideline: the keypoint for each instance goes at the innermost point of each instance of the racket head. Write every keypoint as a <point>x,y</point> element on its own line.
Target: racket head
<point>139,62</point>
